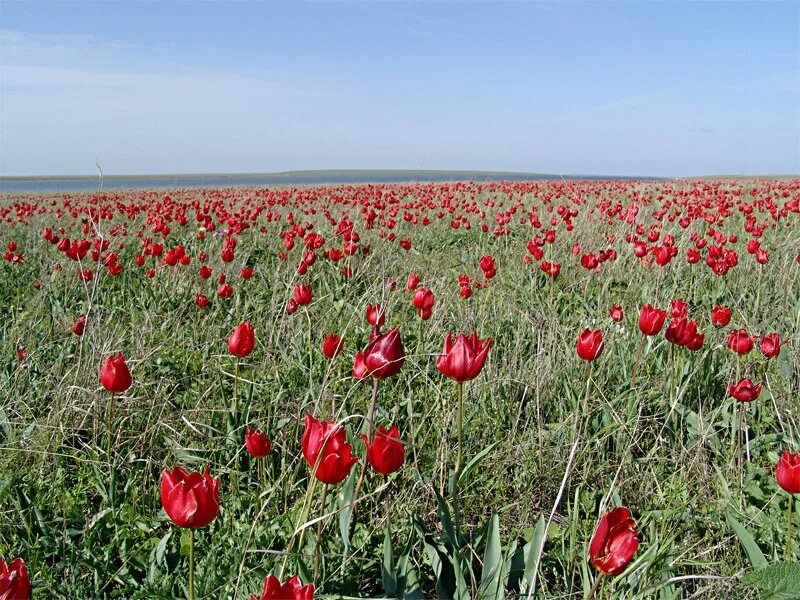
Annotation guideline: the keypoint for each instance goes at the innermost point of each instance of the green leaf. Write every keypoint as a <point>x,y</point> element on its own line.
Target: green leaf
<point>491,587</point>
<point>532,551</point>
<point>754,554</point>
<point>447,523</point>
<point>346,508</point>
<point>471,465</point>
<point>161,548</point>
<point>776,582</point>
<point>387,569</point>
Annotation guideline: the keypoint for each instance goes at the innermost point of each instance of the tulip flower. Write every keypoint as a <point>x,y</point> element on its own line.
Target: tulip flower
<point>771,345</point>
<point>382,358</point>
<point>787,474</point>
<point>651,320</point>
<point>720,316</point>
<point>242,340</point>
<point>291,590</point>
<point>678,308</point>
<point>423,301</point>
<point>14,582</point>
<point>114,375</point>
<point>79,325</point>
<point>616,313</point>
<point>412,282</point>
<point>744,391</point>
<point>200,301</point>
<point>739,341</point>
<point>191,500</point>
<point>256,443</point>
<point>376,316</point>
<point>302,294</point>
<point>332,345</point>
<point>464,359</point>
<point>327,451</point>
<point>386,453</point>
<point>614,542</point>
<point>590,344</point>
<point>682,332</point>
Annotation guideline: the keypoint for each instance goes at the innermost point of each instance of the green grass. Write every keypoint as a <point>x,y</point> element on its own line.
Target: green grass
<point>89,523</point>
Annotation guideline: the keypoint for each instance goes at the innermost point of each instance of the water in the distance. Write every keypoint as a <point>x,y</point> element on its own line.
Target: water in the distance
<point>87,184</point>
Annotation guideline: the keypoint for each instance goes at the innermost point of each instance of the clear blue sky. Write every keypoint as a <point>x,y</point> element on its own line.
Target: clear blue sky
<point>636,88</point>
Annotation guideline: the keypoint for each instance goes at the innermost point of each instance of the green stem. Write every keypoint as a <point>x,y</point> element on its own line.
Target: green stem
<point>597,581</point>
<point>457,472</point>
<point>317,546</point>
<point>191,564</point>
<point>370,425</point>
<point>789,555</point>
<point>109,419</point>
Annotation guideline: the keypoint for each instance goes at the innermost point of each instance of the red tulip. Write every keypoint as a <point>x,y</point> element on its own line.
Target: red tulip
<point>22,353</point>
<point>205,272</point>
<point>190,499</point>
<point>423,301</point>
<point>382,358</point>
<point>79,325</point>
<point>464,359</point>
<point>771,345</point>
<point>302,294</point>
<point>257,444</point>
<point>616,313</point>
<point>247,273</point>
<point>200,300</point>
<point>413,282</point>
<point>326,451</point>
<point>720,316</point>
<point>614,542</point>
<point>590,344</point>
<point>651,320</point>
<point>740,341</point>
<point>291,306</point>
<point>225,290</point>
<point>744,391</point>
<point>291,590</point>
<point>682,332</point>
<point>332,345</point>
<point>787,473</point>
<point>376,316</point>
<point>679,308</point>
<point>386,454</point>
<point>242,340</point>
<point>114,375</point>
<point>14,582</point>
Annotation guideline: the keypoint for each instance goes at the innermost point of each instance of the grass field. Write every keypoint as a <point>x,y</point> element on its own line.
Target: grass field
<point>551,442</point>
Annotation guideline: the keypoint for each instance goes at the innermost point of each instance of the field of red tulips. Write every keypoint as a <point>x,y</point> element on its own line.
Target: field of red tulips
<point>548,389</point>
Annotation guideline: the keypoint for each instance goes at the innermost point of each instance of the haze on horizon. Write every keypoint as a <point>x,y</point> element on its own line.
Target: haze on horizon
<point>648,89</point>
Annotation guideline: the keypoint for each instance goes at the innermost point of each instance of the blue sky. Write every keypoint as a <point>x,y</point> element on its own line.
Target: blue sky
<point>641,88</point>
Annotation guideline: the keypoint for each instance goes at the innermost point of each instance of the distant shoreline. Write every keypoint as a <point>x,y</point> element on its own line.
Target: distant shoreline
<point>410,174</point>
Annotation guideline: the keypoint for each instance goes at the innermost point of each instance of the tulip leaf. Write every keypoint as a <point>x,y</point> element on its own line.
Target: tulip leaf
<point>472,464</point>
<point>447,522</point>
<point>387,569</point>
<point>346,508</point>
<point>161,548</point>
<point>776,582</point>
<point>491,587</point>
<point>532,551</point>
<point>751,549</point>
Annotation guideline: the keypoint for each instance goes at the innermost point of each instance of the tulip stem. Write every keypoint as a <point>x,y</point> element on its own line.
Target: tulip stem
<point>317,549</point>
<point>598,580</point>
<point>109,418</point>
<point>789,554</point>
<point>636,362</point>
<point>457,472</point>
<point>191,564</point>
<point>370,425</point>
